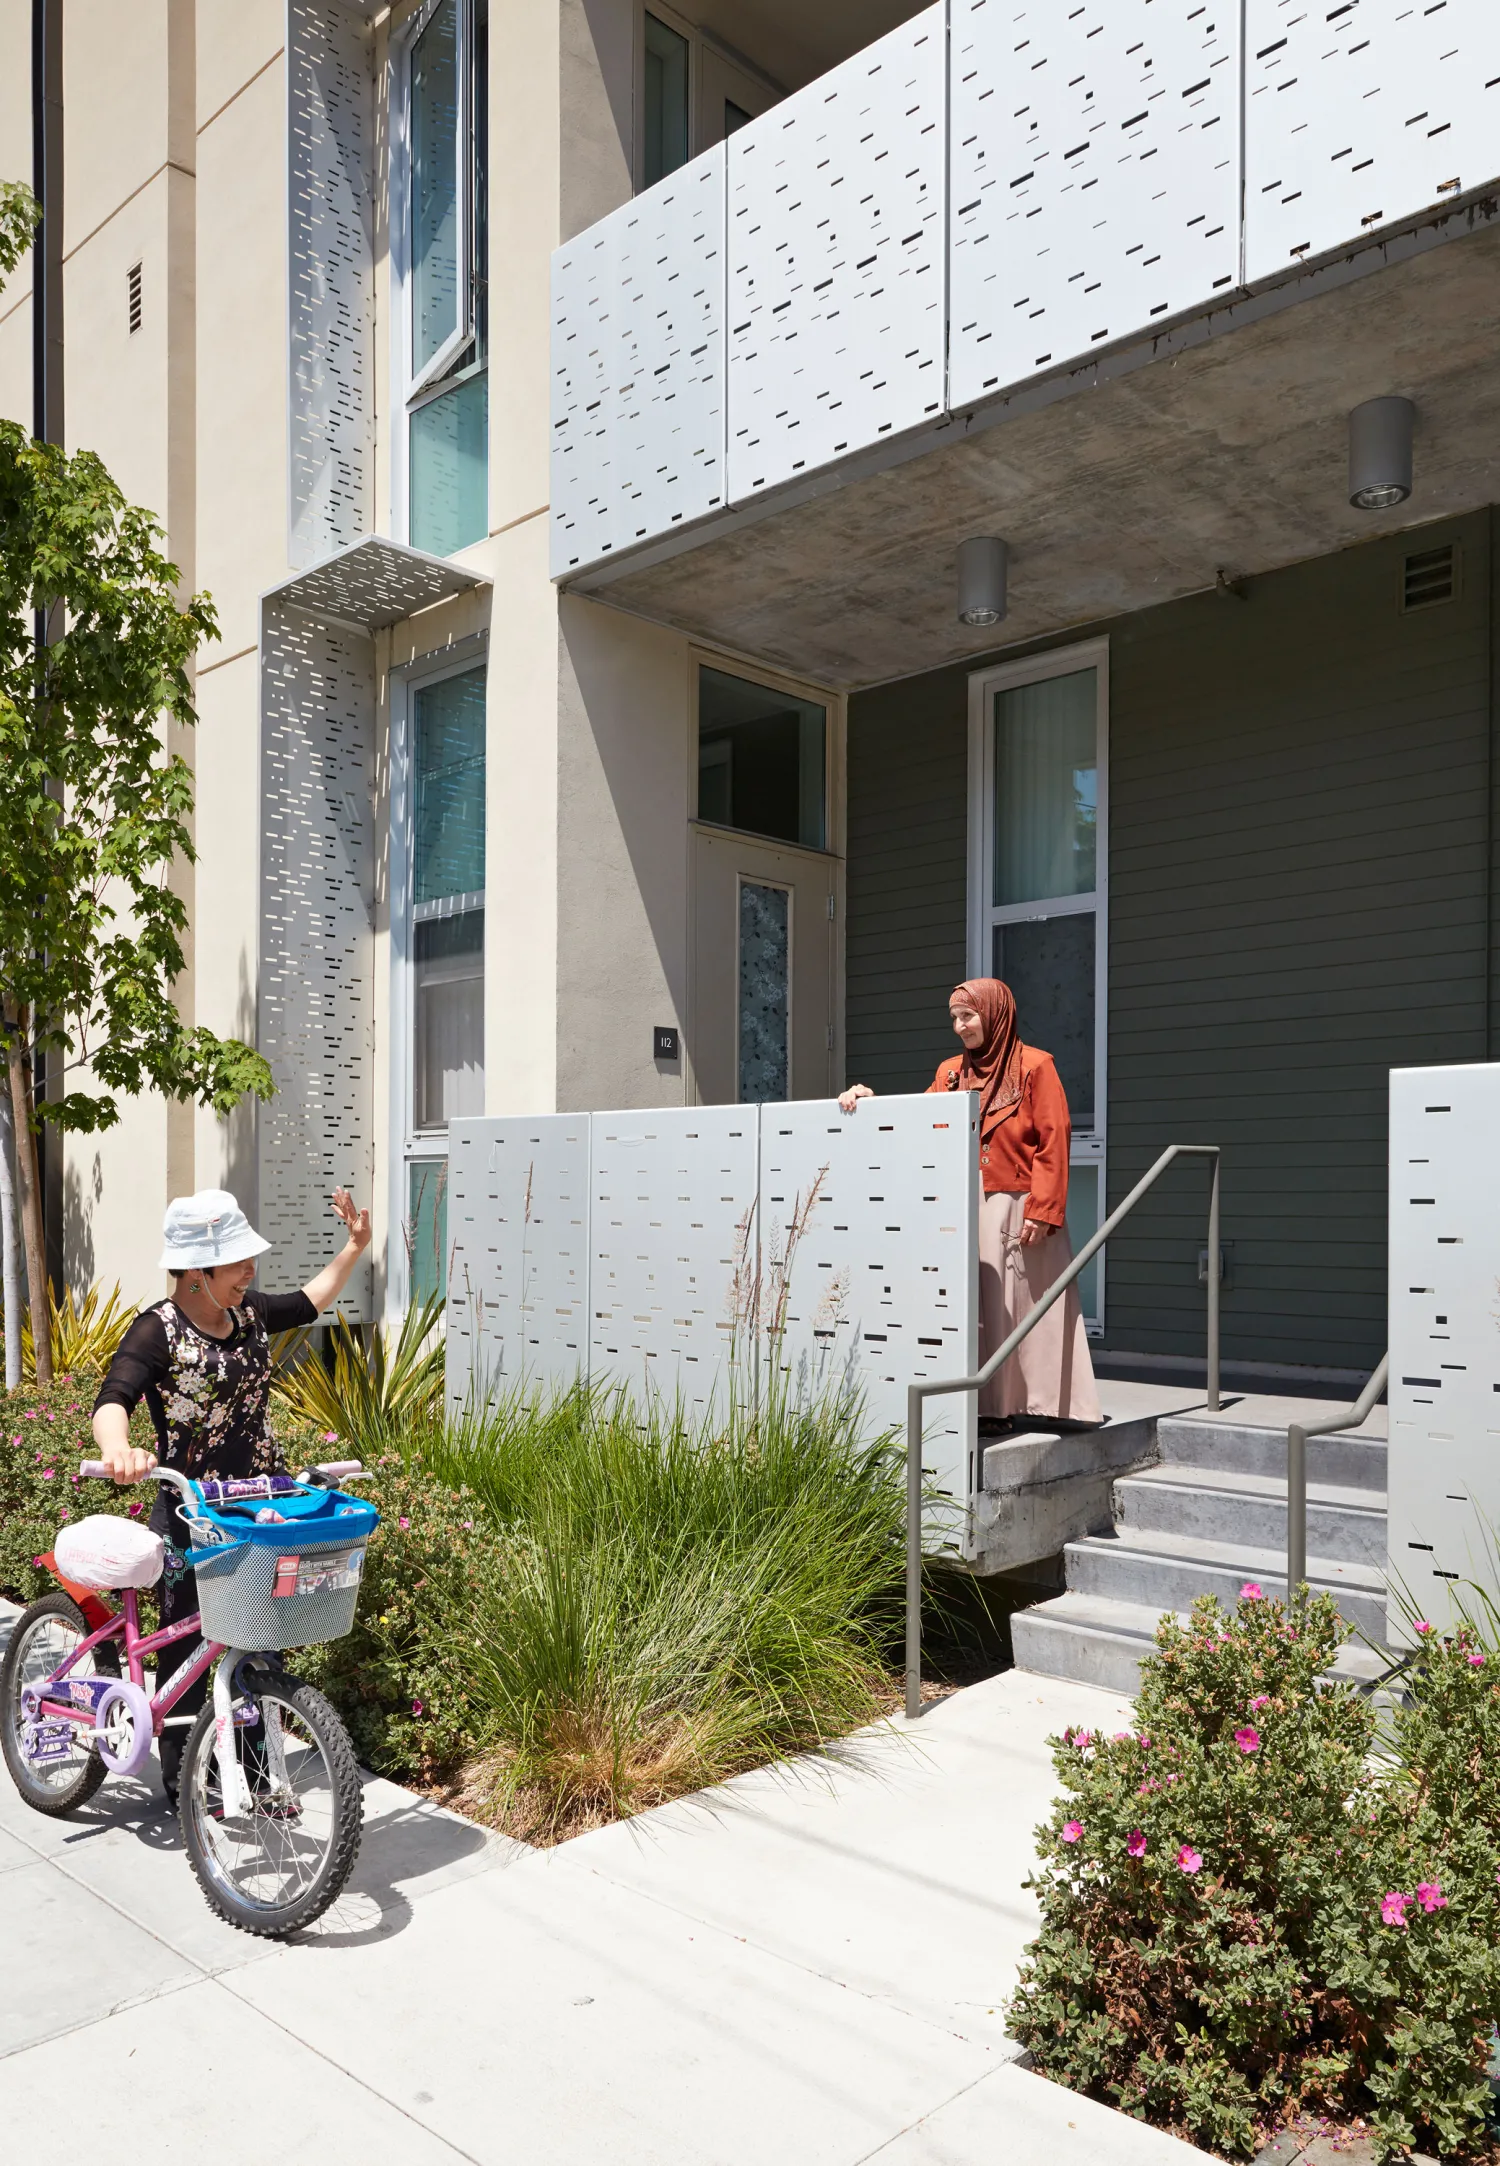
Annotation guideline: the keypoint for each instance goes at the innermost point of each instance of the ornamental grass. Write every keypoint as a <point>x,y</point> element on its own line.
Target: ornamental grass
<point>1266,1900</point>
<point>576,1608</point>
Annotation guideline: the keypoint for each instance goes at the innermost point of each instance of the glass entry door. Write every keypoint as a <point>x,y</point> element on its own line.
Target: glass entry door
<point>1038,887</point>
<point>763,932</point>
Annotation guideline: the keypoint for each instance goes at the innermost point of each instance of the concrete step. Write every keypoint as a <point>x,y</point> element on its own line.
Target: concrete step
<point>1339,1461</point>
<point>1169,1571</point>
<point>1215,1504</point>
<point>1094,1641</point>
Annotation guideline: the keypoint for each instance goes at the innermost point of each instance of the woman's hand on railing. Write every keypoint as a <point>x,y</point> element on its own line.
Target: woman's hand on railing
<point>850,1098</point>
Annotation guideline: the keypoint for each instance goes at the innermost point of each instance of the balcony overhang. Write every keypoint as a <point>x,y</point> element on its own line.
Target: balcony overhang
<point>1221,446</point>
<point>374,583</point>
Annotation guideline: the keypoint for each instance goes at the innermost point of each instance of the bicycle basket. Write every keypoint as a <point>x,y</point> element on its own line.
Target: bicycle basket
<point>287,1582</point>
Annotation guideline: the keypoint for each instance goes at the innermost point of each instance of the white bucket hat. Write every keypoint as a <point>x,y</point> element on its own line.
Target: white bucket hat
<point>207,1229</point>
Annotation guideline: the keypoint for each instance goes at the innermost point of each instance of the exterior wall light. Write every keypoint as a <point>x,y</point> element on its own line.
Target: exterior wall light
<point>982,562</point>
<point>1380,435</point>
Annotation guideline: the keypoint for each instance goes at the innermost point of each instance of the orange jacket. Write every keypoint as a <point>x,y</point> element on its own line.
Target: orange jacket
<point>1027,1154</point>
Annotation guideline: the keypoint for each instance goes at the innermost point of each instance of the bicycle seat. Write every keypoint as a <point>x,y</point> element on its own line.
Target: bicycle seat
<point>103,1551</point>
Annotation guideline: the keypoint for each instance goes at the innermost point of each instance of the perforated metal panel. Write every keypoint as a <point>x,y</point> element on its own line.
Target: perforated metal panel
<point>672,1251</point>
<point>638,368</point>
<point>880,1211</point>
<point>1360,115</point>
<point>316,970</point>
<point>836,307</point>
<point>1444,1395</point>
<point>518,1255</point>
<point>1095,178</point>
<point>375,582</point>
<point>330,285</point>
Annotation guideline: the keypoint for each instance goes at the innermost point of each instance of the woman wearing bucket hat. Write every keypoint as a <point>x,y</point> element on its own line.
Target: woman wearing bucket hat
<point>201,1360</point>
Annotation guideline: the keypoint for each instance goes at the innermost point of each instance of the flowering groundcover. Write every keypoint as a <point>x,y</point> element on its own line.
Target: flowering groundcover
<point>1260,1903</point>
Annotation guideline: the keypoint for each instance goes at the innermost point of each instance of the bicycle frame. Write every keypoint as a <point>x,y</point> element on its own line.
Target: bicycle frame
<point>125,1625</point>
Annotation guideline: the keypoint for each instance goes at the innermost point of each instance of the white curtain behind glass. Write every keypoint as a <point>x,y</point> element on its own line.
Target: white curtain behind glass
<point>1046,789</point>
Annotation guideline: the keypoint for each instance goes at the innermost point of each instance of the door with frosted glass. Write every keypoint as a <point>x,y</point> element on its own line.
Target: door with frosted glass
<point>1040,877</point>
<point>762,1022</point>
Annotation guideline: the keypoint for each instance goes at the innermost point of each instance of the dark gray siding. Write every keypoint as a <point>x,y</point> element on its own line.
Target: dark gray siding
<point>1301,852</point>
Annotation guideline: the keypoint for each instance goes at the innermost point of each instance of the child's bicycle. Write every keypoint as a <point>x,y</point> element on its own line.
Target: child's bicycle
<point>269,1797</point>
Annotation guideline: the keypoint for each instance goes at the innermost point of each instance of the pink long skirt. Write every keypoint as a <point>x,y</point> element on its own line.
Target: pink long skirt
<point>1051,1373</point>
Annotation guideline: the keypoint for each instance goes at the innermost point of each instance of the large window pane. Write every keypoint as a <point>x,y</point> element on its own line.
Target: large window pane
<point>449,480</point>
<point>448,766</point>
<point>448,1019</point>
<point>764,993</point>
<point>666,146</point>
<point>1046,789</point>
<point>436,270</point>
<point>761,760</point>
<point>1049,966</point>
<point>427,1227</point>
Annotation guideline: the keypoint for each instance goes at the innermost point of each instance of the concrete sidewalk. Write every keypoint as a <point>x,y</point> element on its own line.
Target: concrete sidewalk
<point>804,1969</point>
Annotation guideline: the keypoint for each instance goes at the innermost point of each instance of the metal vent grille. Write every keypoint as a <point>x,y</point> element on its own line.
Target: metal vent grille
<point>1430,576</point>
<point>133,296</point>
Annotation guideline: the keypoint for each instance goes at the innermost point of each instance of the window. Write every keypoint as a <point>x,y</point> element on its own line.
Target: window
<point>666,101</point>
<point>446,333</point>
<point>762,760</point>
<point>438,946</point>
<point>1037,884</point>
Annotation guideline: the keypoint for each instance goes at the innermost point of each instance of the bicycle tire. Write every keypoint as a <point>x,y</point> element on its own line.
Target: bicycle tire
<point>270,1915</point>
<point>52,1800</point>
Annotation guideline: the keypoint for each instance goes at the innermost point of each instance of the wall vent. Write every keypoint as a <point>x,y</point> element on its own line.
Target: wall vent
<point>1430,576</point>
<point>133,296</point>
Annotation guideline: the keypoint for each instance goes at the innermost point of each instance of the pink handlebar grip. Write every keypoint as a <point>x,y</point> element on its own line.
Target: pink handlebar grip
<point>94,1470</point>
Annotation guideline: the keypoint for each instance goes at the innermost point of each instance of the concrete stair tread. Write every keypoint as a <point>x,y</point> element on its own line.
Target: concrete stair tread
<point>1131,1626</point>
<point>1256,1564</point>
<point>1187,1474</point>
<point>1198,1425</point>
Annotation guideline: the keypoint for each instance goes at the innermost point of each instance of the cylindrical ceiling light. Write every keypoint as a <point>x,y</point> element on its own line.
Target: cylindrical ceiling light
<point>982,564</point>
<point>1380,435</point>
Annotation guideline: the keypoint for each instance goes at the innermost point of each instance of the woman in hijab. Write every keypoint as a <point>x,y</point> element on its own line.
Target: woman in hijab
<point>1024,1138</point>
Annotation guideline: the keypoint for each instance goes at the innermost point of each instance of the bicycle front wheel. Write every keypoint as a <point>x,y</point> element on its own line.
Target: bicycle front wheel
<point>276,1867</point>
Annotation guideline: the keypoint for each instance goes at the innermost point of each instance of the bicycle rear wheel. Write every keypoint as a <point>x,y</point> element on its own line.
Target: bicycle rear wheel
<point>43,1638</point>
<point>277,1867</point>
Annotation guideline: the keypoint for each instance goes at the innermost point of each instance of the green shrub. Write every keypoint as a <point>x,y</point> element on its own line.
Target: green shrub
<point>1246,1916</point>
<point>637,1609</point>
<point>43,1436</point>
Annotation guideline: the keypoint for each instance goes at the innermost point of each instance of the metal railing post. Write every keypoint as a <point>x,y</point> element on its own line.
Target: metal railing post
<point>1215,1278</point>
<point>1348,1417</point>
<point>917,1393</point>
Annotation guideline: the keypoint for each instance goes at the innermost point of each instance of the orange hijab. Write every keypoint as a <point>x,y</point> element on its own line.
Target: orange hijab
<point>994,1068</point>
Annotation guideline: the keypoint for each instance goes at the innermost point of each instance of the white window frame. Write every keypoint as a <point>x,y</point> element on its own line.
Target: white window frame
<point>406,1141</point>
<point>415,387</point>
<point>1089,1146</point>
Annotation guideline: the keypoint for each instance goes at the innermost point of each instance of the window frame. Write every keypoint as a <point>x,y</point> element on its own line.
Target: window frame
<point>406,1142</point>
<point>415,388</point>
<point>703,48</point>
<point>835,711</point>
<point>1090,1146</point>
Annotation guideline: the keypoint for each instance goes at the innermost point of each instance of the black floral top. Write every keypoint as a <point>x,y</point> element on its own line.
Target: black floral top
<point>208,1398</point>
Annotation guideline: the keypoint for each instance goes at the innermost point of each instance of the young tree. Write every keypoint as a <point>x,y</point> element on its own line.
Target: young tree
<point>93,807</point>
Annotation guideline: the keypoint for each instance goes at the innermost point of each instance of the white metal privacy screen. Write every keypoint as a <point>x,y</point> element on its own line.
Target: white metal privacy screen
<point>330,275</point>
<point>1095,177</point>
<point>1444,1394</point>
<point>701,1244</point>
<point>835,304</point>
<point>1017,184</point>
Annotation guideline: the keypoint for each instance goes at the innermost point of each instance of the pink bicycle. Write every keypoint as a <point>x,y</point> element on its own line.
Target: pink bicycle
<point>269,1798</point>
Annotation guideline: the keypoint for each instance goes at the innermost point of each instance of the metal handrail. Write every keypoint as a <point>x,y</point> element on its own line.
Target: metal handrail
<point>916,1393</point>
<point>1348,1417</point>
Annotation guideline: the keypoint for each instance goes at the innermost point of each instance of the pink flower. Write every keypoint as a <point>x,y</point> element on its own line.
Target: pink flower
<point>1136,1843</point>
<point>1189,1860</point>
<point>330,1436</point>
<point>1262,1699</point>
<point>133,1511</point>
<point>1248,1738</point>
<point>51,1417</point>
<point>1476,1660</point>
<point>1421,1625</point>
<point>1072,1831</point>
<point>403,1522</point>
<point>15,1440</point>
<point>65,1513</point>
<point>1148,1786</point>
<point>49,1474</point>
<point>468,1522</point>
<point>1124,1737</point>
<point>1252,1591</point>
<point>1394,1906</point>
<point>416,1707</point>
<point>1083,1739</point>
<point>31,1413</point>
<point>1431,1896</point>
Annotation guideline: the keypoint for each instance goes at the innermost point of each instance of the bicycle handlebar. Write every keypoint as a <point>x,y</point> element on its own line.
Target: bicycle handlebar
<point>95,1470</point>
